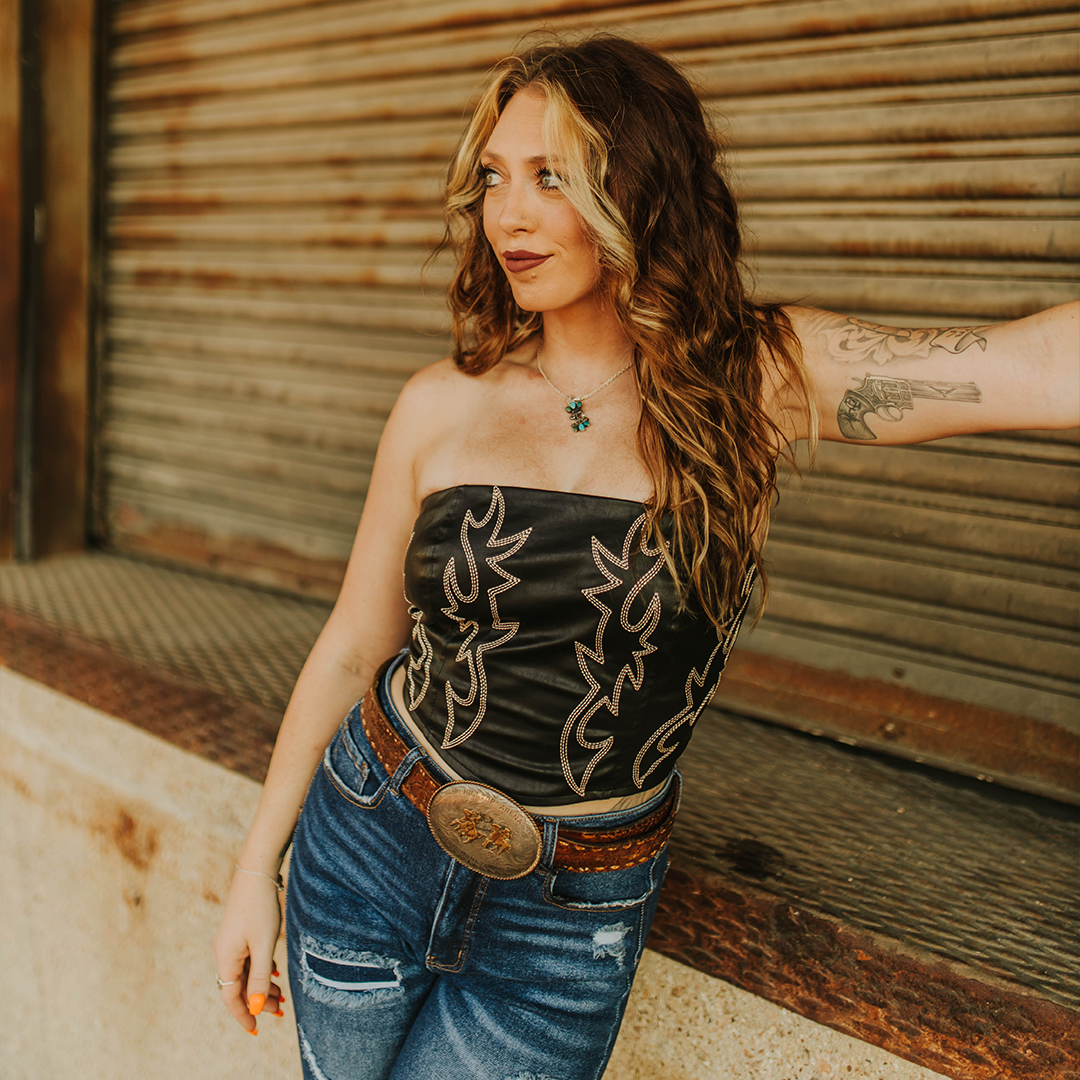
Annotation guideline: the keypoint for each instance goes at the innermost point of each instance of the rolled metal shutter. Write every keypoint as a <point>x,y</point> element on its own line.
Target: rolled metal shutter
<point>273,184</point>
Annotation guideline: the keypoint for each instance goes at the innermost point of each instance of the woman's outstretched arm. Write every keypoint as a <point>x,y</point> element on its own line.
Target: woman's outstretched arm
<point>889,385</point>
<point>369,623</point>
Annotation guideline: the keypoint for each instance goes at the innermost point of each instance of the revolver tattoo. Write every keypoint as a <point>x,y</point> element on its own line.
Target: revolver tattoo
<point>889,398</point>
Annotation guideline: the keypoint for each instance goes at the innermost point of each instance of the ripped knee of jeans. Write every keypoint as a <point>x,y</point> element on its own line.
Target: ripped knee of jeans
<point>611,941</point>
<point>343,977</point>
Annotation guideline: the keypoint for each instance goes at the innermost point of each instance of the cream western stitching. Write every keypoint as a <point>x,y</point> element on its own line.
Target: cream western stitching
<point>689,714</point>
<point>454,595</point>
<point>578,720</point>
<point>422,661</point>
<point>419,636</point>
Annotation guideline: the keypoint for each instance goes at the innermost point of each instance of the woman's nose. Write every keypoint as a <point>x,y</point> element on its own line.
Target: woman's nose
<point>516,214</point>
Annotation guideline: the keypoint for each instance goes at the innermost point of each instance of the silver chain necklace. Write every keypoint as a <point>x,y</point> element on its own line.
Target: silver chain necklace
<point>578,420</point>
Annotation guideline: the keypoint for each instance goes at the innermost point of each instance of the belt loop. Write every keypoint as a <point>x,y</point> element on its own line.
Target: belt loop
<point>551,839</point>
<point>403,770</point>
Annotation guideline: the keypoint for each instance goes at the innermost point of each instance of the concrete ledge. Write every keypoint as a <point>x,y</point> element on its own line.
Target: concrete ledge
<point>117,849</point>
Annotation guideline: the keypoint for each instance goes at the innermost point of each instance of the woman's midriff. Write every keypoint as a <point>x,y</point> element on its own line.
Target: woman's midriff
<point>576,809</point>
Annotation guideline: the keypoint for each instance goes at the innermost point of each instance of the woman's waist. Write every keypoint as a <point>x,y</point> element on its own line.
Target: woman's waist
<point>578,808</point>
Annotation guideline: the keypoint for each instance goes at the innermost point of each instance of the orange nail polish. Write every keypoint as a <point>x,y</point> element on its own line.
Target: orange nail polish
<point>275,972</point>
<point>281,998</point>
<point>253,1031</point>
<point>256,1003</point>
<point>278,1013</point>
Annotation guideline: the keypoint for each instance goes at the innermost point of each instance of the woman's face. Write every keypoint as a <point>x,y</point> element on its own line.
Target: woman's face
<point>534,231</point>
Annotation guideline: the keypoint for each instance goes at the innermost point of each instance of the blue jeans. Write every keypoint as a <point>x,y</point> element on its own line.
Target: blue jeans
<point>404,964</point>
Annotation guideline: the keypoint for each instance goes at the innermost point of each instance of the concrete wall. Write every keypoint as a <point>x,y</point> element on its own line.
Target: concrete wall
<point>116,851</point>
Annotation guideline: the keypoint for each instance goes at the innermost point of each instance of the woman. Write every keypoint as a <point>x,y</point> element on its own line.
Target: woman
<point>578,499</point>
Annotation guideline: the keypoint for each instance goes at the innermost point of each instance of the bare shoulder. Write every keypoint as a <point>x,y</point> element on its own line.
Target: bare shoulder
<point>440,402</point>
<point>433,398</point>
<point>429,385</point>
<point>438,392</point>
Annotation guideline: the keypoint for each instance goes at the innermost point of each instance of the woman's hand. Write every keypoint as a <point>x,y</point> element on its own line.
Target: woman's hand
<point>244,950</point>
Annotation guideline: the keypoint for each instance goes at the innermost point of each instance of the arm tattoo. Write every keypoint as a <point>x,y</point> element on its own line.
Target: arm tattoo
<point>853,341</point>
<point>888,399</point>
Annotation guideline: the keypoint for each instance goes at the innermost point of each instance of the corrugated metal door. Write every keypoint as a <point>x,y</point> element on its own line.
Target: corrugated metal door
<point>273,180</point>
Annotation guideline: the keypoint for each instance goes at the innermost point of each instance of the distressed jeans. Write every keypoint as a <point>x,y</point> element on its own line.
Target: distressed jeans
<point>404,964</point>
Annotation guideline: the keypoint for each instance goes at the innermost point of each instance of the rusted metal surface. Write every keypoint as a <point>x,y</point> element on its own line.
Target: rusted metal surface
<point>11,270</point>
<point>149,39</point>
<point>241,642</point>
<point>1027,752</point>
<point>946,1016</point>
<point>876,900</point>
<point>231,732</point>
<point>61,422</point>
<point>931,916</point>
<point>274,174</point>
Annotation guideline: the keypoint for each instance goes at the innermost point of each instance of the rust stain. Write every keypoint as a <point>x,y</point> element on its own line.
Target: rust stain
<point>855,247</point>
<point>137,845</point>
<point>203,278</point>
<point>17,783</point>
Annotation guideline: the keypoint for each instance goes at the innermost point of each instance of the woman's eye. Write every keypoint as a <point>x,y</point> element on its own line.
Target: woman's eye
<point>488,177</point>
<point>548,180</point>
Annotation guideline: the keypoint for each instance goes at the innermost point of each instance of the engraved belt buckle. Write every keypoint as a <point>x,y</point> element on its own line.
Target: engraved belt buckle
<point>484,830</point>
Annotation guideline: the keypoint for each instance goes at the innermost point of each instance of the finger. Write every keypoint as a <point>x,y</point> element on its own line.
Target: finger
<point>239,1009</point>
<point>232,992</point>
<point>258,984</point>
<point>275,999</point>
<point>275,988</point>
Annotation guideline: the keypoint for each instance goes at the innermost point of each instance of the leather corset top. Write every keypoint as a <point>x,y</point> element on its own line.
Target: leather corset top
<point>549,654</point>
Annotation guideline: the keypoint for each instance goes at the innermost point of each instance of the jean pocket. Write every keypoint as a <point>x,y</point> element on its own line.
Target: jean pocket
<point>353,769</point>
<point>605,890</point>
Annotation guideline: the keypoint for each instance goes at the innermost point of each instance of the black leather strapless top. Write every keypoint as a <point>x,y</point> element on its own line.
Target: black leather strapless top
<point>549,656</point>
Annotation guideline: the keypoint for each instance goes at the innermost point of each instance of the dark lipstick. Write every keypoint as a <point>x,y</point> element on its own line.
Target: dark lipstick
<point>517,261</point>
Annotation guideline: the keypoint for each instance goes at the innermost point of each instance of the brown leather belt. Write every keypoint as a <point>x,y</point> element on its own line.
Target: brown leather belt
<point>576,849</point>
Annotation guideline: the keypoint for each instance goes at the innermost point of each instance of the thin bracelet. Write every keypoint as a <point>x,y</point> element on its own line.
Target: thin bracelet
<point>255,873</point>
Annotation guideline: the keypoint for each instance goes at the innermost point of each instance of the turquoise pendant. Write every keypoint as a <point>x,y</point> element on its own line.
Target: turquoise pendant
<point>578,421</point>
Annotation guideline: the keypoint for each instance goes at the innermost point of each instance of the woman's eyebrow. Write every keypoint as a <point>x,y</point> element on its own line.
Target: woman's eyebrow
<point>536,159</point>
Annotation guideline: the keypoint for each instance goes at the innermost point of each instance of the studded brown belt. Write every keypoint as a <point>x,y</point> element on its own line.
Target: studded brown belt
<point>490,833</point>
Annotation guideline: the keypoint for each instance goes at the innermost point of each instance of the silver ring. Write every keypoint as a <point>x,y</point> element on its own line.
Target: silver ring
<point>221,984</point>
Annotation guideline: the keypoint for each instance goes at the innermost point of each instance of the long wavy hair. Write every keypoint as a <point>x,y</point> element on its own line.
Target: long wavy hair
<point>641,165</point>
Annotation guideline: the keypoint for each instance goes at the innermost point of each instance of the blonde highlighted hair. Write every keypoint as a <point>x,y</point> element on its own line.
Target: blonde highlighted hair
<point>639,162</point>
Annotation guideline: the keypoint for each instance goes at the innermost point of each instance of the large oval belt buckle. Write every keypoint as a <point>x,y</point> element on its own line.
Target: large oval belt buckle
<point>484,830</point>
